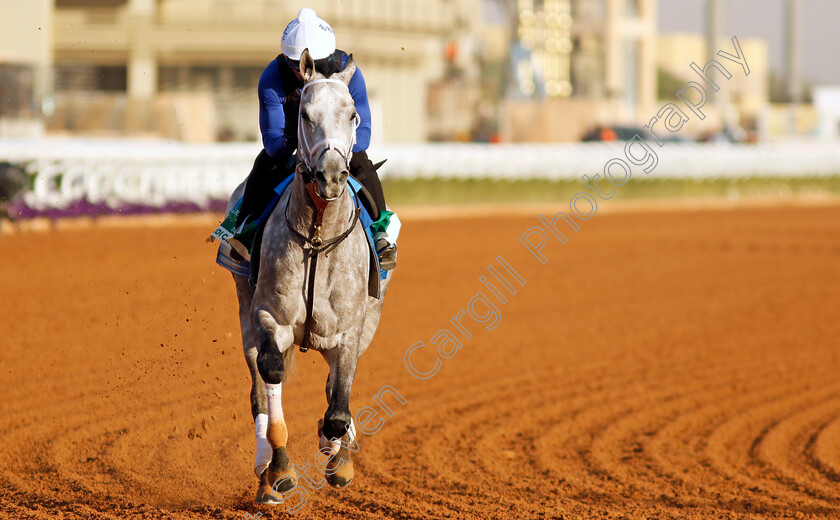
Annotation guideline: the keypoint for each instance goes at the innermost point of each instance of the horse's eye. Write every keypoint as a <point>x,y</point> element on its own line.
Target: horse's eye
<point>304,115</point>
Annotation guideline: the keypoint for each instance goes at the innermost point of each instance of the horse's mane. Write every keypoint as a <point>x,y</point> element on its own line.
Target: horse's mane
<point>332,65</point>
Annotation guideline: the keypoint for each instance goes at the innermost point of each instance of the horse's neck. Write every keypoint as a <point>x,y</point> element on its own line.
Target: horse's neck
<point>302,211</point>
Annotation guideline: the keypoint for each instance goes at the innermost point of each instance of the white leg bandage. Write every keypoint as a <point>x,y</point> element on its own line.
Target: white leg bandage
<point>336,445</point>
<point>263,456</point>
<point>273,394</point>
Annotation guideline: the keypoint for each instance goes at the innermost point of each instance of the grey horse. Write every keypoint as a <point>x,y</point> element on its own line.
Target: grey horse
<point>312,290</point>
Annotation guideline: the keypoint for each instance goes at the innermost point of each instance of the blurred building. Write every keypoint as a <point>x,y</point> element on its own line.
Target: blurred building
<point>540,70</point>
<point>742,100</point>
<point>188,69</point>
<point>25,66</point>
<point>577,63</point>
<point>827,108</point>
<point>454,100</point>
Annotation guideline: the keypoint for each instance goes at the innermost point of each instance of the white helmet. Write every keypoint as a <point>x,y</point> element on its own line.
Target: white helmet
<point>307,31</point>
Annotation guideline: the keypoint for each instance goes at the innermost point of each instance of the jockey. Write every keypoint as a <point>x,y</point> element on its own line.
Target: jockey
<point>279,94</point>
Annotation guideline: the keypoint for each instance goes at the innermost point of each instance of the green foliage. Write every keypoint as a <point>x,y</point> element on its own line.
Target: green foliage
<point>452,192</point>
<point>667,85</point>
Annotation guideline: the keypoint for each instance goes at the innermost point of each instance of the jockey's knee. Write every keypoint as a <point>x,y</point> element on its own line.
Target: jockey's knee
<point>266,173</point>
<point>364,171</point>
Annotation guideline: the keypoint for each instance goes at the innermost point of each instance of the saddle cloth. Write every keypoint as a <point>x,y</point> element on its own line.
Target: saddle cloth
<point>250,269</point>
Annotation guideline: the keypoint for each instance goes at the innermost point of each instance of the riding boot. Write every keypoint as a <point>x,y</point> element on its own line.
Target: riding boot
<point>386,227</point>
<point>365,172</point>
<point>265,175</point>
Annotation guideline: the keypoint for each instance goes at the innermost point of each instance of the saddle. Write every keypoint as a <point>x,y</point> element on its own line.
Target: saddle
<point>241,267</point>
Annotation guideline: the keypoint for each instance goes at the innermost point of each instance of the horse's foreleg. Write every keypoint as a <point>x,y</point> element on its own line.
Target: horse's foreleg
<point>280,475</point>
<point>338,435</point>
<point>259,409</point>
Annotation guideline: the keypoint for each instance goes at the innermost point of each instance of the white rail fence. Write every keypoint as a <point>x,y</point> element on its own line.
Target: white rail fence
<point>152,174</point>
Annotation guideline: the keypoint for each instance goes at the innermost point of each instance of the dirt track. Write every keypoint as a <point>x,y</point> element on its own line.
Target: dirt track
<point>662,365</point>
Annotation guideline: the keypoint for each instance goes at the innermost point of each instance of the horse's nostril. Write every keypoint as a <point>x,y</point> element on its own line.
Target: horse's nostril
<point>344,175</point>
<point>320,176</point>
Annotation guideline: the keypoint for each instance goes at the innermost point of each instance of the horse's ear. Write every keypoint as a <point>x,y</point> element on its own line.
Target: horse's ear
<point>349,69</point>
<point>307,65</point>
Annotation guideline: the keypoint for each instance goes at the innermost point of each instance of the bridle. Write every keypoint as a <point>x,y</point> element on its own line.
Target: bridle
<point>309,156</point>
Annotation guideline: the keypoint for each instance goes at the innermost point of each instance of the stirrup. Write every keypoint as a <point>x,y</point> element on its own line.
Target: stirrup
<point>240,249</point>
<point>387,254</point>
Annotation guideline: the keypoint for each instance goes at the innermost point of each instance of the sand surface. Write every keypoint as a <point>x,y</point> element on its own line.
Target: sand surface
<point>667,364</point>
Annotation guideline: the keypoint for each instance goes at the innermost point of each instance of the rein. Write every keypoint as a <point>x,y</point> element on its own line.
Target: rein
<point>310,156</point>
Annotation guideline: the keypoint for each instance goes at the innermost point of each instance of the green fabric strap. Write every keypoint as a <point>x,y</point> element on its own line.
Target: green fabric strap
<point>381,224</point>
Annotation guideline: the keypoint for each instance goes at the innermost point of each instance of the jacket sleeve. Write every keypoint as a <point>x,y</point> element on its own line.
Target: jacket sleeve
<point>360,97</point>
<point>272,116</point>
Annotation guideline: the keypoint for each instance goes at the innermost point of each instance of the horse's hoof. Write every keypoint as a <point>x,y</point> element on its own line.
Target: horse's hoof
<point>273,485</point>
<point>281,481</point>
<point>339,470</point>
<point>339,482</point>
<point>267,496</point>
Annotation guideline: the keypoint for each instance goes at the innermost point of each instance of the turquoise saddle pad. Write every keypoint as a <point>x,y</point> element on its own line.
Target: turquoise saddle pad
<point>243,268</point>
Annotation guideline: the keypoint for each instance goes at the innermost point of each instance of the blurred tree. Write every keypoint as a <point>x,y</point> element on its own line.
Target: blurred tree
<point>667,84</point>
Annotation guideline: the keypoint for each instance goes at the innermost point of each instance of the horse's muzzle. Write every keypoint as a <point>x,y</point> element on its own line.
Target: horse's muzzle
<point>331,186</point>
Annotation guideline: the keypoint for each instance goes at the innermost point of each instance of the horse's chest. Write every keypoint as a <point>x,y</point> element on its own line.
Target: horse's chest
<point>334,291</point>
<point>324,301</point>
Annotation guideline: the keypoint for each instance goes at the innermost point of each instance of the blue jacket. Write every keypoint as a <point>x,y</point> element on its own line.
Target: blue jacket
<point>279,110</point>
